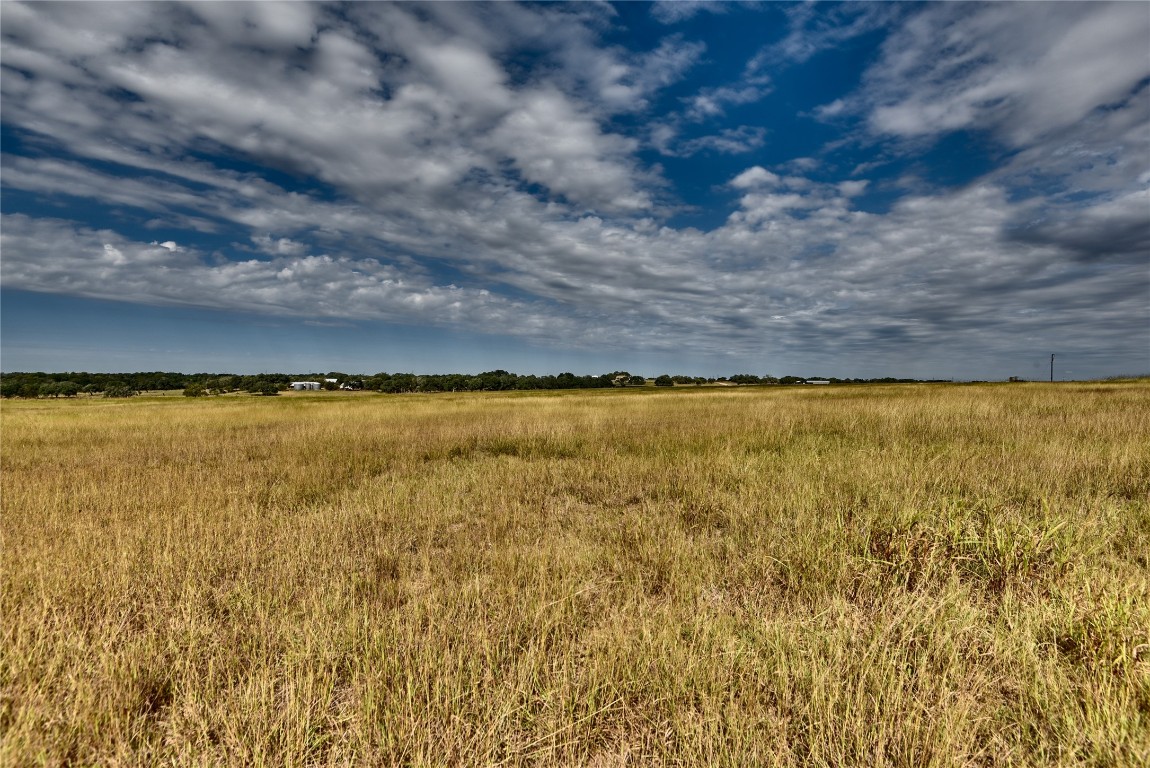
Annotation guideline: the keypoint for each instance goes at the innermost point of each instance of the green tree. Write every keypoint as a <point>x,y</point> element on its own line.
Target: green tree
<point>401,382</point>
<point>119,390</point>
<point>664,381</point>
<point>221,385</point>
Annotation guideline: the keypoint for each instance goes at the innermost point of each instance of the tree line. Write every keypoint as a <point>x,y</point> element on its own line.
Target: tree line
<point>74,384</point>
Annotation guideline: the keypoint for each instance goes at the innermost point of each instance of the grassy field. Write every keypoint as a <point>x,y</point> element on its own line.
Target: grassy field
<point>908,575</point>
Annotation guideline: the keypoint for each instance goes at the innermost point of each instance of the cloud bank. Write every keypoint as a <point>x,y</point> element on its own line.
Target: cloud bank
<point>496,167</point>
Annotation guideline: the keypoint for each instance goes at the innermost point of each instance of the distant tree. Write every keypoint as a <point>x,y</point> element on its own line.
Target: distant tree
<point>262,385</point>
<point>220,385</point>
<point>405,382</point>
<point>194,390</point>
<point>119,390</point>
<point>605,381</point>
<point>156,380</point>
<point>67,389</point>
<point>664,381</point>
<point>430,383</point>
<point>376,382</point>
<point>454,382</point>
<point>636,381</point>
<point>398,382</point>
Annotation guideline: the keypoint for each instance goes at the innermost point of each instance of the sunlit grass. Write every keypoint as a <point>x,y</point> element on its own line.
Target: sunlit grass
<point>903,575</point>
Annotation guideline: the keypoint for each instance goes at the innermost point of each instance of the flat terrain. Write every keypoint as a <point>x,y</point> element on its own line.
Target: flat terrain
<point>906,575</point>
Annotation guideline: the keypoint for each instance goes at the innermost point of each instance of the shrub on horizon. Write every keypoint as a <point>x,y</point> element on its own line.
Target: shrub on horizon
<point>119,390</point>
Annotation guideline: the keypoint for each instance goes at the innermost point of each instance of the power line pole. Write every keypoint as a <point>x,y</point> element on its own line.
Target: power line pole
<point>1051,368</point>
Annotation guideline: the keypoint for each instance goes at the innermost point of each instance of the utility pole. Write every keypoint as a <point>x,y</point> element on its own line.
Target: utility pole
<point>1051,368</point>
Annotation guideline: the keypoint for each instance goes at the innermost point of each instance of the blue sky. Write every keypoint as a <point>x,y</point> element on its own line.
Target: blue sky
<point>940,190</point>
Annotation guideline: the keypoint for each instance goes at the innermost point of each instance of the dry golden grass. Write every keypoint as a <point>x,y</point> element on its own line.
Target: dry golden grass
<point>904,576</point>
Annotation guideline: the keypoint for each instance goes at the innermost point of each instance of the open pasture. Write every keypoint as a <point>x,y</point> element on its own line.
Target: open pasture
<point>912,575</point>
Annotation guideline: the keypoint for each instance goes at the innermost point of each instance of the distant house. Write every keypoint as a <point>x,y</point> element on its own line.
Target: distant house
<point>300,386</point>
<point>816,381</point>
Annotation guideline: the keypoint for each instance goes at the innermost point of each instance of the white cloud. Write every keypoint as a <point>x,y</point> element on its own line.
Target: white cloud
<point>47,253</point>
<point>753,177</point>
<point>954,67</point>
<point>417,117</point>
<point>467,76</point>
<point>278,26</point>
<point>832,110</point>
<point>706,105</point>
<point>866,167</point>
<point>674,11</point>
<point>114,254</point>
<point>282,246</point>
<point>728,141</point>
<point>662,137</point>
<point>853,188</point>
<point>801,164</point>
<point>554,144</point>
<point>665,65</point>
<point>815,28</point>
<point>713,101</point>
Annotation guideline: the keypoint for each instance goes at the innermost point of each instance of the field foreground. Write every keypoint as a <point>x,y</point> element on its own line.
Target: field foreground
<point>907,575</point>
